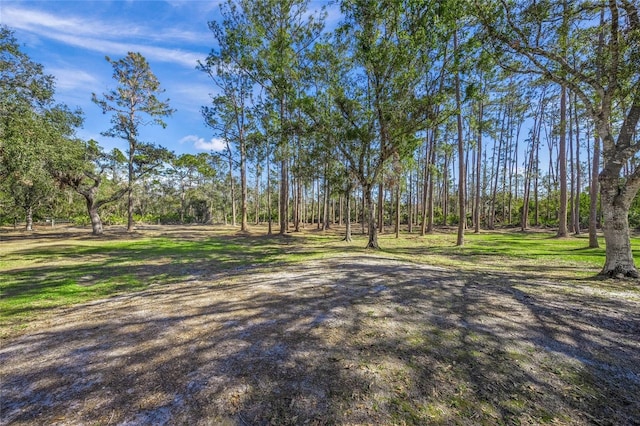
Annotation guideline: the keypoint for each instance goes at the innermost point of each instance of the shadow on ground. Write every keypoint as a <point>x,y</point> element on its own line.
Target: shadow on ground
<point>346,340</point>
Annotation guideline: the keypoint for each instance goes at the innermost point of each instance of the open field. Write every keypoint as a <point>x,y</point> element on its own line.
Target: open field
<point>202,325</point>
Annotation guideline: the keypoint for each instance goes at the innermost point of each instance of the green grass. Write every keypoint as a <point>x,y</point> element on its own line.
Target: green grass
<point>42,273</point>
<point>535,251</point>
<point>39,277</point>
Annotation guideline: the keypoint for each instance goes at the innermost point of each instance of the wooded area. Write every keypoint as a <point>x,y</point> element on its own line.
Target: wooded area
<point>406,116</point>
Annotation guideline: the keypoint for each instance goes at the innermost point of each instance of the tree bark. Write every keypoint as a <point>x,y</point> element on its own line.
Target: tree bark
<point>562,158</point>
<point>371,218</point>
<point>257,196</point>
<point>462,177</point>
<point>410,204</point>
<point>347,232</point>
<point>29,218</point>
<point>593,194</point>
<point>425,187</point>
<point>381,206</point>
<point>476,212</point>
<point>232,189</point>
<point>269,219</point>
<point>243,185</point>
<point>397,210</point>
<point>284,175</point>
<point>319,205</point>
<point>619,258</point>
<point>325,202</point>
<point>431,201</point>
<point>96,222</point>
<point>576,207</point>
<point>130,188</point>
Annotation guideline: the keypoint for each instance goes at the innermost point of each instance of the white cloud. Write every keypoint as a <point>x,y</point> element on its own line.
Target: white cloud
<point>94,35</point>
<point>72,78</point>
<point>214,144</point>
<point>200,6</point>
<point>37,21</point>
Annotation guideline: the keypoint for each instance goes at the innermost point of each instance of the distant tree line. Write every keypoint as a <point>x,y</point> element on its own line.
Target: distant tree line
<point>406,116</point>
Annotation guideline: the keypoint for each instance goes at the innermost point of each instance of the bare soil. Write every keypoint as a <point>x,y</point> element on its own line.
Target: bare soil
<point>348,340</point>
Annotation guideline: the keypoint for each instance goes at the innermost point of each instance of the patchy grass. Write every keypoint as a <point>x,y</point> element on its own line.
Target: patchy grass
<point>50,269</point>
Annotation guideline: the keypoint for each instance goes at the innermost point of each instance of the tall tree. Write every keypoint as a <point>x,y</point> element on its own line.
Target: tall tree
<point>267,41</point>
<point>462,176</point>
<point>376,88</point>
<point>605,78</point>
<point>230,114</point>
<point>132,104</point>
<point>562,148</point>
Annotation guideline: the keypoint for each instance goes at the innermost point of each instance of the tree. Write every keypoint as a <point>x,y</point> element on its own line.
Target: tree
<point>230,117</point>
<point>187,171</point>
<point>562,148</point>
<point>377,88</point>
<point>31,125</point>
<point>83,167</point>
<point>604,76</point>
<point>267,40</point>
<point>133,103</point>
<point>462,177</point>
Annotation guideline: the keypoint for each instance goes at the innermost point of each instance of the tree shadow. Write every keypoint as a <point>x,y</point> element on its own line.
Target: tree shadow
<point>346,340</point>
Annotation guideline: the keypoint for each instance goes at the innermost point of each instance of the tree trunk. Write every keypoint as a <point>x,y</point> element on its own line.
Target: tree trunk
<point>495,166</point>
<point>410,204</point>
<point>130,209</point>
<point>130,179</point>
<point>445,189</point>
<point>243,186</point>
<point>183,205</point>
<point>257,196</point>
<point>364,212</point>
<point>425,187</point>
<point>269,219</point>
<point>462,177</point>
<point>312,207</point>
<point>299,206</point>
<point>96,222</point>
<point>576,208</point>
<point>284,196</point>
<point>619,258</point>
<point>371,218</point>
<point>431,201</point>
<point>593,194</point>
<point>29,218</point>
<point>397,230</point>
<point>536,185</point>
<point>476,211</point>
<point>233,190</point>
<point>347,232</point>
<point>562,158</point>
<point>325,203</point>
<point>381,206</point>
<point>319,205</point>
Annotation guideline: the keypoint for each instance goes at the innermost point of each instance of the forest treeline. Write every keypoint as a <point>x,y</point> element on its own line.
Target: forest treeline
<point>408,114</point>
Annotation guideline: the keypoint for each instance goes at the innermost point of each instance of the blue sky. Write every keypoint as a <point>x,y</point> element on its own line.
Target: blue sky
<point>71,39</point>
